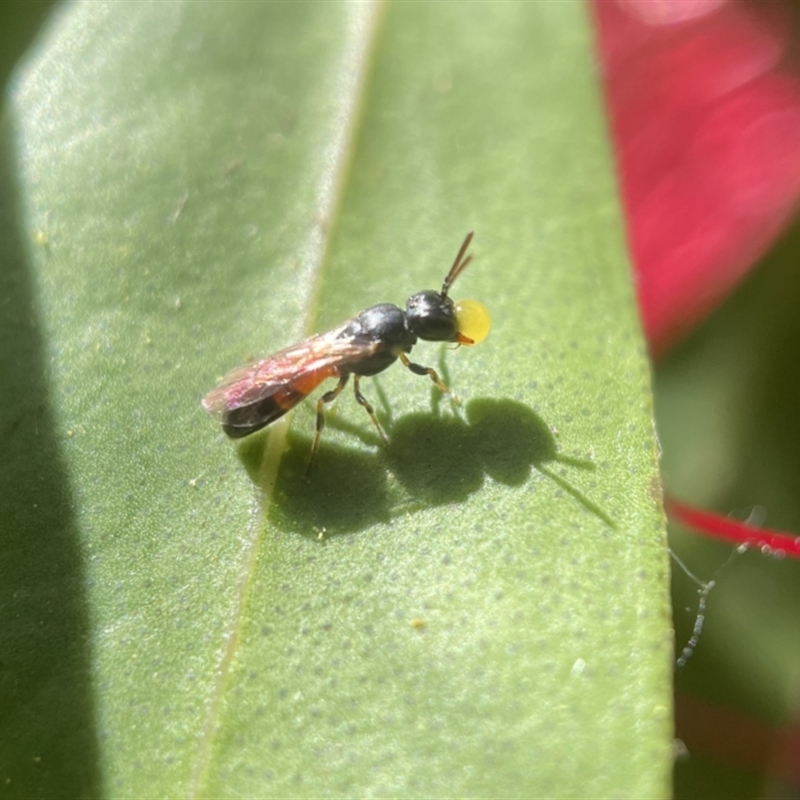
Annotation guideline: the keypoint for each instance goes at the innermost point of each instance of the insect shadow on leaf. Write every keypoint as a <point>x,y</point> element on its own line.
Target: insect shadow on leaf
<point>431,460</point>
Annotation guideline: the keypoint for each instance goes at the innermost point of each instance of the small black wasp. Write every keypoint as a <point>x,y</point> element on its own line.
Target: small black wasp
<point>253,396</point>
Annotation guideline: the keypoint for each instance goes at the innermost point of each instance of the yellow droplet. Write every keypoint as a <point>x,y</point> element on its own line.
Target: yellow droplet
<point>473,320</point>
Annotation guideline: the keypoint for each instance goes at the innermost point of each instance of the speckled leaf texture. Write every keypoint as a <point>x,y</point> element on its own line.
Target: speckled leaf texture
<point>478,610</point>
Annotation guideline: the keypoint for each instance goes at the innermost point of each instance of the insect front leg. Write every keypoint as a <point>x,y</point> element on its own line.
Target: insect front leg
<point>418,369</point>
<point>328,397</point>
<point>370,410</point>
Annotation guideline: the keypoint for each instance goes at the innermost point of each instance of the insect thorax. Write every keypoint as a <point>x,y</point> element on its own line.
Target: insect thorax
<point>384,331</point>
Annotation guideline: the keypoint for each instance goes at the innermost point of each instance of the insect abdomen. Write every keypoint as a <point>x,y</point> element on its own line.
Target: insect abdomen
<point>240,422</point>
<point>244,420</point>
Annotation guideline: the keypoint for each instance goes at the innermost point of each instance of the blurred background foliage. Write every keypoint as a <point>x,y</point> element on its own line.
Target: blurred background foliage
<point>704,100</point>
<point>726,408</point>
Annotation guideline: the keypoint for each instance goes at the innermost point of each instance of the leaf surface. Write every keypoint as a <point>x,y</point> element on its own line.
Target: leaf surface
<point>479,610</point>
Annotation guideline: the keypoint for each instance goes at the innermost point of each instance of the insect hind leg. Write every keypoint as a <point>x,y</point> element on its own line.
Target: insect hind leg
<point>369,409</point>
<point>328,397</point>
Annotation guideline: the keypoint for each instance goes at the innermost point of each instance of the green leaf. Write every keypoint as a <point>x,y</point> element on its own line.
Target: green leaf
<point>479,610</point>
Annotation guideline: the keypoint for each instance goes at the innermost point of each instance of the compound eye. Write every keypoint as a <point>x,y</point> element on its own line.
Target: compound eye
<point>473,321</point>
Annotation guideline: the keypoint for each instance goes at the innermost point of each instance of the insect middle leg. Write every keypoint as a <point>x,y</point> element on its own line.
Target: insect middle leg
<point>370,410</point>
<point>328,397</point>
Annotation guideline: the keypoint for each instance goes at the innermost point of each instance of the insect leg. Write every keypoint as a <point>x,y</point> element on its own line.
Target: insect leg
<point>328,397</point>
<point>418,369</point>
<point>370,410</point>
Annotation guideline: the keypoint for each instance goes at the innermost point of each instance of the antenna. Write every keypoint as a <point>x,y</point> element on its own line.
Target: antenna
<point>459,265</point>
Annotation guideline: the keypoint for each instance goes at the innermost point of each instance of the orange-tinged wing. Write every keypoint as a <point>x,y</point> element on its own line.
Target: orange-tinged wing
<point>293,373</point>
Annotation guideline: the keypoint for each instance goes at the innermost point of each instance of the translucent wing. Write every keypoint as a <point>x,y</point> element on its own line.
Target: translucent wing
<point>286,377</point>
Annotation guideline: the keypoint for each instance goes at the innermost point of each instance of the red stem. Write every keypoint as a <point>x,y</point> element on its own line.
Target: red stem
<point>733,531</point>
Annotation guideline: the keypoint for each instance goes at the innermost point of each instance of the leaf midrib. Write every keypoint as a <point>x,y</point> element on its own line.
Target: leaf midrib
<point>355,72</point>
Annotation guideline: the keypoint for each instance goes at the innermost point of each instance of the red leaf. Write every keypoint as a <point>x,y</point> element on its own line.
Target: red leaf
<point>706,124</point>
